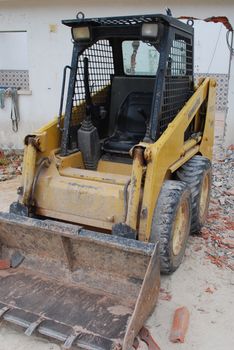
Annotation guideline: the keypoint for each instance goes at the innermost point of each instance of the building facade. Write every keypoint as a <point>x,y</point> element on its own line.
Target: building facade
<point>35,47</point>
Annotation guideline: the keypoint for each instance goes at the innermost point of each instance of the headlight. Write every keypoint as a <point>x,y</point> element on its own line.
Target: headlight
<point>81,33</point>
<point>149,30</point>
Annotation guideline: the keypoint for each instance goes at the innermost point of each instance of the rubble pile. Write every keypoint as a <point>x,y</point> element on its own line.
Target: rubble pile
<point>218,232</point>
<point>10,164</point>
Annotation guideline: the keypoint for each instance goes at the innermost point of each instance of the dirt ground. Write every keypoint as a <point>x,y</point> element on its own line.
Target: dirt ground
<point>204,283</point>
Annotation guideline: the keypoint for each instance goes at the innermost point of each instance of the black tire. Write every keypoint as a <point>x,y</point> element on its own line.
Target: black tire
<point>174,198</point>
<point>195,173</point>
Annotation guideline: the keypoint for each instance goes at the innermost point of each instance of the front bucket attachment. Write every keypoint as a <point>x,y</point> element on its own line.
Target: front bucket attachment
<point>84,288</point>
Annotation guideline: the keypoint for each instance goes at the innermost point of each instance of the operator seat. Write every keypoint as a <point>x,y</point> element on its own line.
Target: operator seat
<point>133,113</point>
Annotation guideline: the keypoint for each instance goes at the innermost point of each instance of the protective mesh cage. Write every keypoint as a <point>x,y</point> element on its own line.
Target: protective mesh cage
<point>101,67</point>
<point>178,79</point>
<point>132,20</point>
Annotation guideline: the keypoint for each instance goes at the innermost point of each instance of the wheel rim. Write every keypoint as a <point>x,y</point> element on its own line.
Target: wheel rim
<point>204,197</point>
<point>180,227</point>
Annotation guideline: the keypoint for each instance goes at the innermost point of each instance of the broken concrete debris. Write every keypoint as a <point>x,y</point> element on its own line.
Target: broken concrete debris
<point>209,290</point>
<point>10,164</point>
<point>164,295</point>
<point>218,232</point>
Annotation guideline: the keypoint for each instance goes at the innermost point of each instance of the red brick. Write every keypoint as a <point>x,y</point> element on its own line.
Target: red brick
<point>179,325</point>
<point>5,264</point>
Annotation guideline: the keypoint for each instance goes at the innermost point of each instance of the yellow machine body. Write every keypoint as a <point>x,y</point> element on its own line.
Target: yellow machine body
<point>66,191</point>
<point>84,268</point>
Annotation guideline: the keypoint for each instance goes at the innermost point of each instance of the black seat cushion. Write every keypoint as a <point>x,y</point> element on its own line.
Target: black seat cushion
<point>132,118</point>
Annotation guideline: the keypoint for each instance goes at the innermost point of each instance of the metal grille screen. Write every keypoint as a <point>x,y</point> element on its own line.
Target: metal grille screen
<point>15,79</point>
<point>177,83</point>
<point>132,20</point>
<point>101,67</point>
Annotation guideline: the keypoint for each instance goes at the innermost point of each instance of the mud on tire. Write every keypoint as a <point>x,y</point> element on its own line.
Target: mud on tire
<point>197,174</point>
<point>171,223</point>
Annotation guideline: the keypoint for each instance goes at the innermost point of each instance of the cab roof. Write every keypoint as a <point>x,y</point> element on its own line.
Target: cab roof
<point>133,20</point>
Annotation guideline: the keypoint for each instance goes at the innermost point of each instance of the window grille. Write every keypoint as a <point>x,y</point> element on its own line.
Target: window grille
<point>178,80</point>
<point>130,20</point>
<point>101,68</point>
<point>18,79</point>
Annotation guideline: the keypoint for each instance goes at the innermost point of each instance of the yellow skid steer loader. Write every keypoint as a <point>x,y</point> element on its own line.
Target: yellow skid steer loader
<point>112,187</point>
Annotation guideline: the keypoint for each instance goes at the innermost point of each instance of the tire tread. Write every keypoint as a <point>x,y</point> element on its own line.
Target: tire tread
<point>192,173</point>
<point>164,214</point>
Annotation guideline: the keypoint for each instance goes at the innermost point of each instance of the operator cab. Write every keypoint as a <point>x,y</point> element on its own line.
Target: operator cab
<point>120,75</point>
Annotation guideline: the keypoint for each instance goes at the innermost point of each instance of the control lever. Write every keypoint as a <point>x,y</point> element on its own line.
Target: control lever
<point>88,138</point>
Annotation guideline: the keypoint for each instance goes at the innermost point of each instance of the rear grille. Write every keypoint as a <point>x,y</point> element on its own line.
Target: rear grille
<point>177,82</point>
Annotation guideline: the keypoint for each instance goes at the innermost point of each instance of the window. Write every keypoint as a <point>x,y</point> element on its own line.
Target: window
<point>139,58</point>
<point>177,58</point>
<point>177,81</point>
<point>101,68</point>
<point>14,60</point>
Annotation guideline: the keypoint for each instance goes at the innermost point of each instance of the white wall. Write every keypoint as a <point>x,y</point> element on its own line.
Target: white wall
<point>14,50</point>
<point>211,54</point>
<point>49,51</point>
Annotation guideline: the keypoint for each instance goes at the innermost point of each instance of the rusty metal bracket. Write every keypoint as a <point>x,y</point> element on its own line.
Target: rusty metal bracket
<point>33,326</point>
<point>146,337</point>
<point>4,310</point>
<point>32,140</point>
<point>43,163</point>
<point>70,340</point>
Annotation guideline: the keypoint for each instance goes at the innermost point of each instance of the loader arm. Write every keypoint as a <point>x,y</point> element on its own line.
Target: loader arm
<point>171,151</point>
